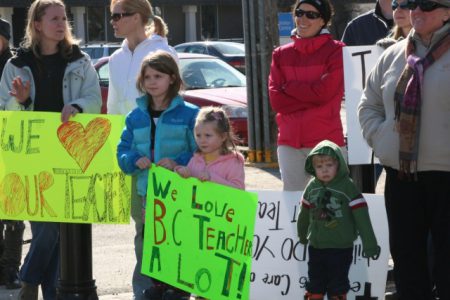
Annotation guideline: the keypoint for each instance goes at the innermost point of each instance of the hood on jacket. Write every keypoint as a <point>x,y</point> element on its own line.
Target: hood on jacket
<point>327,147</point>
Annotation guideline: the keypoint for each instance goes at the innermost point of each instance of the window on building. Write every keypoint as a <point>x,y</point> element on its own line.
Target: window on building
<point>96,24</point>
<point>209,17</point>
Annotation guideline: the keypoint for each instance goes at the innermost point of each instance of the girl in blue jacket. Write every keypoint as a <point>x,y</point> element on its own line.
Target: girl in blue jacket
<point>159,130</point>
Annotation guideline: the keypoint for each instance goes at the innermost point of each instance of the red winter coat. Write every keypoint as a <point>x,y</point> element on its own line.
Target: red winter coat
<point>306,86</point>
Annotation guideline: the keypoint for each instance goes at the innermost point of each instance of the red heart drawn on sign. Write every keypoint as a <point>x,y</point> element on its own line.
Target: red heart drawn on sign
<point>83,144</point>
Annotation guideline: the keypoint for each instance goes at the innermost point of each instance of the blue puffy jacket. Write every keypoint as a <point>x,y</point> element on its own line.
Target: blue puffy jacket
<point>174,137</point>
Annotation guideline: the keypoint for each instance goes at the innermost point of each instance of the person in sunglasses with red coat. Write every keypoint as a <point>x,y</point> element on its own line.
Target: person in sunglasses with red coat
<point>306,86</point>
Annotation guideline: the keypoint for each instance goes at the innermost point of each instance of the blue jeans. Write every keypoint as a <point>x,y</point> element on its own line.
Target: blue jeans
<point>41,265</point>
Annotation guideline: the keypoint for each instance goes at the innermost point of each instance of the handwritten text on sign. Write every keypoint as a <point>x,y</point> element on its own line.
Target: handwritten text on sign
<point>61,172</point>
<point>358,62</point>
<point>279,267</point>
<point>198,236</point>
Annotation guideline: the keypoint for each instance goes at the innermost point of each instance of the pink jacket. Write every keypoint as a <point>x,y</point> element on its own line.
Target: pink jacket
<point>227,169</point>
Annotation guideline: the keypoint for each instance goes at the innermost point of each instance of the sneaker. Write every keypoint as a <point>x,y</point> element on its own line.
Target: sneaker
<point>171,294</point>
<point>11,280</point>
<point>28,292</point>
<point>390,296</point>
<point>155,292</point>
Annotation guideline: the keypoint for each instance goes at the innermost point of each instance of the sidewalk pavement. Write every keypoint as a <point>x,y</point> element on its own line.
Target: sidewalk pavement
<point>112,250</point>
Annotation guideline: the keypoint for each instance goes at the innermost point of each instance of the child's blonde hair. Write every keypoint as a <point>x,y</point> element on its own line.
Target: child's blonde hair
<point>320,158</point>
<point>163,62</point>
<point>218,116</point>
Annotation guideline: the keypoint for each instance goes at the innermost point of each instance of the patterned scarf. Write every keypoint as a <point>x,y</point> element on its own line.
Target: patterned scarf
<point>407,99</point>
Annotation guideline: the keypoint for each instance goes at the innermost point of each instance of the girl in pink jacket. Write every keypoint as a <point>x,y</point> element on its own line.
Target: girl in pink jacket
<point>217,158</point>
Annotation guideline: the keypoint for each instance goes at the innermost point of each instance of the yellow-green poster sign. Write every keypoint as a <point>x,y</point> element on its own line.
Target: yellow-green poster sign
<point>198,236</point>
<point>62,172</point>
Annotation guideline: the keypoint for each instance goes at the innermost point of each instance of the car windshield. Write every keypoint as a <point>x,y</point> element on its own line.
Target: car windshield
<point>230,48</point>
<point>207,73</point>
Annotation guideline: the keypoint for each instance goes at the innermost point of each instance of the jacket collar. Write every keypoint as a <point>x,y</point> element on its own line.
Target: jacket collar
<point>310,45</point>
<point>25,57</point>
<point>143,103</point>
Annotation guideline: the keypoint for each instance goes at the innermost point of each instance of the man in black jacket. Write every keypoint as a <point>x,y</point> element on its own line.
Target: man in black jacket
<point>368,28</point>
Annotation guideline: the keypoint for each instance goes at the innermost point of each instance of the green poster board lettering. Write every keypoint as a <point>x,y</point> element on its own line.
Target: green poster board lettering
<point>62,172</point>
<point>198,235</point>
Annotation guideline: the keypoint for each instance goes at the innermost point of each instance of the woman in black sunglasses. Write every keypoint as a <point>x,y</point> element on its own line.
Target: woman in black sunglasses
<point>306,86</point>
<point>143,33</point>
<point>404,114</point>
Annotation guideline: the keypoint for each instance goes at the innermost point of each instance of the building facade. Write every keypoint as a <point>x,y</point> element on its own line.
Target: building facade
<point>188,20</point>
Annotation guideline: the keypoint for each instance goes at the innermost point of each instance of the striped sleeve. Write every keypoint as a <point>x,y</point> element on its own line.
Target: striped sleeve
<point>305,203</point>
<point>358,202</point>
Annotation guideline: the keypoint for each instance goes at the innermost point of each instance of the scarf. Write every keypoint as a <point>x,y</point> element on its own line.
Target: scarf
<point>407,99</point>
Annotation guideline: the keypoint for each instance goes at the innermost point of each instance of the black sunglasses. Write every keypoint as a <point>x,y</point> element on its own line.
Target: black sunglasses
<point>395,5</point>
<point>425,6</point>
<point>117,16</point>
<point>309,14</point>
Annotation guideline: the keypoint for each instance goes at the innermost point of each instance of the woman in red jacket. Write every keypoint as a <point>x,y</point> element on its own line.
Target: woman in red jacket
<point>306,86</point>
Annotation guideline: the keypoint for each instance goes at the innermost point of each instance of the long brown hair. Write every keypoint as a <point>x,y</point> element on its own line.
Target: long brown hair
<point>32,37</point>
<point>162,62</point>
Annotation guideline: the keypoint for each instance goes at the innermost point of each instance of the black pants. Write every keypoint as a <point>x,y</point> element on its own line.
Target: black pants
<point>11,240</point>
<point>414,210</point>
<point>328,271</point>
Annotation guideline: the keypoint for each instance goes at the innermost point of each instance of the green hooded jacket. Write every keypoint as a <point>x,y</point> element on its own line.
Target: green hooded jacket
<point>333,214</point>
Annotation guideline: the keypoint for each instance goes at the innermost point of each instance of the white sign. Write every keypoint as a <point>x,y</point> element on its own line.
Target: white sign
<point>358,62</point>
<point>279,266</point>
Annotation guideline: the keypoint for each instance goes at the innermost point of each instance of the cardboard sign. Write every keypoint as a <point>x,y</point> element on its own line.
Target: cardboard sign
<point>198,235</point>
<point>62,172</point>
<point>358,62</point>
<point>280,269</point>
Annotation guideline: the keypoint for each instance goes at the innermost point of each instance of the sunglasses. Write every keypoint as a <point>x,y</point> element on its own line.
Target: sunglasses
<point>395,5</point>
<point>312,15</point>
<point>117,16</point>
<point>425,6</point>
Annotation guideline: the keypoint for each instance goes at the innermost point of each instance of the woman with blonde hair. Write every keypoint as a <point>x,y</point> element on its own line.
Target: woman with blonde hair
<point>48,73</point>
<point>143,33</point>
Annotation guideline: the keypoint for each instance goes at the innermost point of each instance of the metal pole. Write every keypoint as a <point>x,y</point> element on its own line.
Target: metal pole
<point>265,59</point>
<point>76,282</point>
<point>255,86</point>
<point>249,76</point>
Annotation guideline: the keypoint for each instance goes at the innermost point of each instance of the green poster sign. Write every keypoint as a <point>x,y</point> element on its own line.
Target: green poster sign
<point>62,172</point>
<point>198,235</point>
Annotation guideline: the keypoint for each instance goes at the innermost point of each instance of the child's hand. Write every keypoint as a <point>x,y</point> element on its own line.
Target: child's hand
<point>204,176</point>
<point>167,163</point>
<point>373,253</point>
<point>144,163</point>
<point>183,171</point>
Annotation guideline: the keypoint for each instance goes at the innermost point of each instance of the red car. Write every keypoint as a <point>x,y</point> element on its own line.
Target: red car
<point>208,81</point>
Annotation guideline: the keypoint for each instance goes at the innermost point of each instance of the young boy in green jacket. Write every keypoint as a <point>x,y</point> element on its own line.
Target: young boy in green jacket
<point>333,213</point>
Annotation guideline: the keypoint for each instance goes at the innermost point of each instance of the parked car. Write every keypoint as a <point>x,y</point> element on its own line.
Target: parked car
<point>208,81</point>
<point>99,50</point>
<point>231,52</point>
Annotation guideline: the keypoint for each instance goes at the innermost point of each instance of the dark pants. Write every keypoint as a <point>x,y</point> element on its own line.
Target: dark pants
<point>11,240</point>
<point>414,210</point>
<point>328,271</point>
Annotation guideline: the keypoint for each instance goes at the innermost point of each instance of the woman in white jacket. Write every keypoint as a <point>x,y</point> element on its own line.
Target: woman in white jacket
<point>143,33</point>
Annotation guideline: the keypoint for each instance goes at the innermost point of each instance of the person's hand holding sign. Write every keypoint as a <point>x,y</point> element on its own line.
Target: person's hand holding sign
<point>144,163</point>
